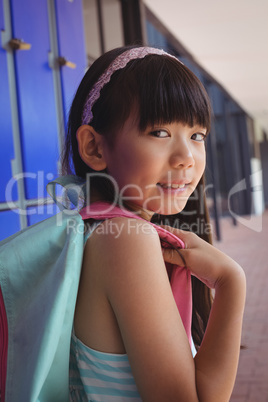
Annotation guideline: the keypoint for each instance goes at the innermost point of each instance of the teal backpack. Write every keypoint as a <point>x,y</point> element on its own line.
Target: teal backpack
<point>39,277</point>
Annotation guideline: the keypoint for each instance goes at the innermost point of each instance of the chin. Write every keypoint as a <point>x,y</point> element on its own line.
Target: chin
<point>171,208</point>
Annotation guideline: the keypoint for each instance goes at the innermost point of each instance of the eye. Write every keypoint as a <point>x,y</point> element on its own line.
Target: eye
<point>199,137</point>
<point>159,133</point>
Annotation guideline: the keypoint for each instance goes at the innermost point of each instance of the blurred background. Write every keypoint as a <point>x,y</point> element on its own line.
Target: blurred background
<point>46,47</point>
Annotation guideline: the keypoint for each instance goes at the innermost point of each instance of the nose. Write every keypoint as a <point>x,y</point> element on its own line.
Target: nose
<point>182,156</point>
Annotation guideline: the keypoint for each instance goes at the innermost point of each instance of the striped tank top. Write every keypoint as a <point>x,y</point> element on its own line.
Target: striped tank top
<point>99,377</point>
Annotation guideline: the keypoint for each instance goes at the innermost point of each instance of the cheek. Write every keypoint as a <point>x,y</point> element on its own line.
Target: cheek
<point>200,162</point>
<point>135,159</point>
<point>123,165</point>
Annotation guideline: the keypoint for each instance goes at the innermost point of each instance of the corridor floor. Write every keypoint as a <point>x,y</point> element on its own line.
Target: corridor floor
<point>249,248</point>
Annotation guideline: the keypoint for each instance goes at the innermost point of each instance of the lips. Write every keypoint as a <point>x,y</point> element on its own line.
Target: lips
<point>173,186</point>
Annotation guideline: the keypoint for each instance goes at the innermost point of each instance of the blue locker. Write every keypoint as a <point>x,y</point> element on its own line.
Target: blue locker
<point>9,223</point>
<point>71,44</point>
<point>6,140</point>
<point>40,213</point>
<point>35,91</point>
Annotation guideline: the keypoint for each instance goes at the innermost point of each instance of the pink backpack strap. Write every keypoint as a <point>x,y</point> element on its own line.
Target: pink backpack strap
<point>180,277</point>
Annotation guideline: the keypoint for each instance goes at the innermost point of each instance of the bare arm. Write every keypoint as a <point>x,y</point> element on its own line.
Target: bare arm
<point>137,287</point>
<point>217,359</point>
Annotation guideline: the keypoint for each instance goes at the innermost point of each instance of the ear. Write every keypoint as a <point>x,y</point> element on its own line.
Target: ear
<point>90,147</point>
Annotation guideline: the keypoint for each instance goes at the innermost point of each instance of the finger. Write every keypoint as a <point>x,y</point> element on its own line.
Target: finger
<point>181,234</point>
<point>173,230</point>
<point>174,256</point>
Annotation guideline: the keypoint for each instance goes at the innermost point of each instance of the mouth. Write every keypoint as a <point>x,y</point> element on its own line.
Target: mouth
<point>173,186</point>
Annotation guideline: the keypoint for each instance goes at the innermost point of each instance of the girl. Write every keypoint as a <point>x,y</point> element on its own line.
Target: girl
<point>137,129</point>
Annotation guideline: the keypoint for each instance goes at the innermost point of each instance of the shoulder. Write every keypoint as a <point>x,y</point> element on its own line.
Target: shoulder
<point>117,234</point>
<point>130,272</point>
<point>125,249</point>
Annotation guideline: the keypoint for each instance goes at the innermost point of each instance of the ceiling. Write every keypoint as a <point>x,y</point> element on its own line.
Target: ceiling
<point>229,39</point>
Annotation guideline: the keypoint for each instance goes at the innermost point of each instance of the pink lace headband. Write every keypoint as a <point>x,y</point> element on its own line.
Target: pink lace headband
<point>119,62</point>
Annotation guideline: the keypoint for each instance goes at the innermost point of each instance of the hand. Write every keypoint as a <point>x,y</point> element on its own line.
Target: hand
<point>204,261</point>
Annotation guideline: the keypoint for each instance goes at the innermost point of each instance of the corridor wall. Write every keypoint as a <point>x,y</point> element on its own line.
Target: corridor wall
<point>42,60</point>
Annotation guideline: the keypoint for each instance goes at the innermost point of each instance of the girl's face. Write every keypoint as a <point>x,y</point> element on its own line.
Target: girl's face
<point>158,169</point>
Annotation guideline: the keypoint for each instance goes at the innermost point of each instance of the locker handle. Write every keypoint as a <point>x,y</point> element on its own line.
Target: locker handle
<point>63,62</point>
<point>19,44</point>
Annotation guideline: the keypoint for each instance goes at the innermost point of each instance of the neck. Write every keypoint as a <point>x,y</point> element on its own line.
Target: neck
<point>143,213</point>
<point>96,196</point>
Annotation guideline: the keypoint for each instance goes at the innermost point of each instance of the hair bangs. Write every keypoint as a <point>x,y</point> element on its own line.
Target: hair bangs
<point>156,90</point>
<point>176,95</point>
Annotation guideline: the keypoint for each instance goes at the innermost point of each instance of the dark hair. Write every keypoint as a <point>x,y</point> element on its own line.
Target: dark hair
<point>160,90</point>
<point>195,218</point>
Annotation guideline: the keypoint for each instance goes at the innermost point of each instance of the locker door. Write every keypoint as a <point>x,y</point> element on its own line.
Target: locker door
<point>6,139</point>
<point>71,44</point>
<point>9,223</point>
<point>9,220</point>
<point>35,92</point>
